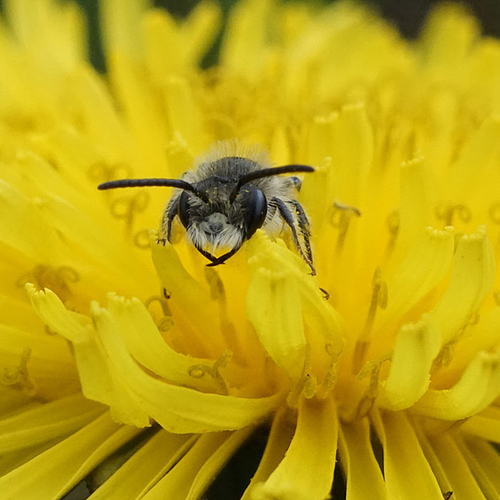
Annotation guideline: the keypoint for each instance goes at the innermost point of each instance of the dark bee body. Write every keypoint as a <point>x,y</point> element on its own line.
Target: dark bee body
<point>224,201</point>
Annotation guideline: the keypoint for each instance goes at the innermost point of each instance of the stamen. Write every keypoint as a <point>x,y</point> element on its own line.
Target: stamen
<point>366,402</point>
<point>307,384</point>
<point>199,371</point>
<point>216,285</point>
<point>126,207</point>
<point>141,239</point>
<point>58,279</point>
<point>160,300</point>
<point>330,379</point>
<point>345,214</point>
<point>166,322</point>
<point>102,172</point>
<point>18,376</point>
<point>393,222</point>
<point>448,212</point>
<point>371,369</point>
<point>218,294</point>
<point>379,299</point>
<point>444,357</point>
<point>494,213</point>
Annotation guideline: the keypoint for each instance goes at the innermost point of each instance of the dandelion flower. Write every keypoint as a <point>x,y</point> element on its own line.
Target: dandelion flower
<point>383,368</point>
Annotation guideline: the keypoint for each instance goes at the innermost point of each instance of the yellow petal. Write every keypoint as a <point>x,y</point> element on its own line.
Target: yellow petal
<point>184,115</point>
<point>482,335</point>
<point>404,461</point>
<point>306,472</point>
<point>37,359</point>
<point>485,424</point>
<point>416,200</point>
<point>447,38</point>
<point>97,372</point>
<point>245,39</point>
<point>422,270</point>
<point>26,229</point>
<point>213,465</point>
<point>471,170</point>
<point>199,30</point>
<point>484,462</point>
<point>187,294</point>
<point>364,477</point>
<point>46,422</point>
<point>278,442</point>
<point>52,473</point>
<point>147,346</point>
<point>478,387</point>
<point>55,34</point>
<point>352,154</point>
<point>318,151</point>
<point>49,307</point>
<point>177,483</point>
<point>193,411</point>
<point>274,309</point>
<point>411,362</point>
<point>472,278</point>
<point>145,467</point>
<point>121,29</point>
<point>97,111</point>
<point>456,468</point>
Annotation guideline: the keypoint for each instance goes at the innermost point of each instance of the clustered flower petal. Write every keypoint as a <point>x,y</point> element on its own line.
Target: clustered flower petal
<point>123,356</point>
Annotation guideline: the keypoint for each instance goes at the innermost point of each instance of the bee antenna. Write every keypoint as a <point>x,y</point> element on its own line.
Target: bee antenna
<point>268,172</point>
<point>175,183</point>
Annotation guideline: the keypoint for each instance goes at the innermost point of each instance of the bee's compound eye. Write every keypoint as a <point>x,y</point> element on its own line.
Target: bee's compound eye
<point>257,211</point>
<point>297,183</point>
<point>183,209</point>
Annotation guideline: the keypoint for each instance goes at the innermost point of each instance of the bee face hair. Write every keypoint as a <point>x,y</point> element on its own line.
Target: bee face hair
<point>225,200</point>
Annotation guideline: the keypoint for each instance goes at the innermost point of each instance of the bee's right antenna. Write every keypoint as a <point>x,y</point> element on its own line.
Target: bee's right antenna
<point>268,172</point>
<point>175,183</point>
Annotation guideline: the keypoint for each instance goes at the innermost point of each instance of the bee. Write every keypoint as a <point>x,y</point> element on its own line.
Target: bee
<point>224,200</point>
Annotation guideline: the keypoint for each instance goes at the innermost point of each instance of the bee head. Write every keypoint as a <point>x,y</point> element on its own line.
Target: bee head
<point>222,223</point>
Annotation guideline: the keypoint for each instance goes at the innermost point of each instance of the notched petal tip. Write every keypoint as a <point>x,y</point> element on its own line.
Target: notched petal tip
<point>274,256</point>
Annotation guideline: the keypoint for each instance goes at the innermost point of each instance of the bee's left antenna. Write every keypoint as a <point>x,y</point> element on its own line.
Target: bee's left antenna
<point>175,183</point>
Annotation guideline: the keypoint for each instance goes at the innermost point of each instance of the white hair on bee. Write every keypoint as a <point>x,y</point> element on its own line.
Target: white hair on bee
<point>235,148</point>
<point>231,192</point>
<point>227,149</point>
